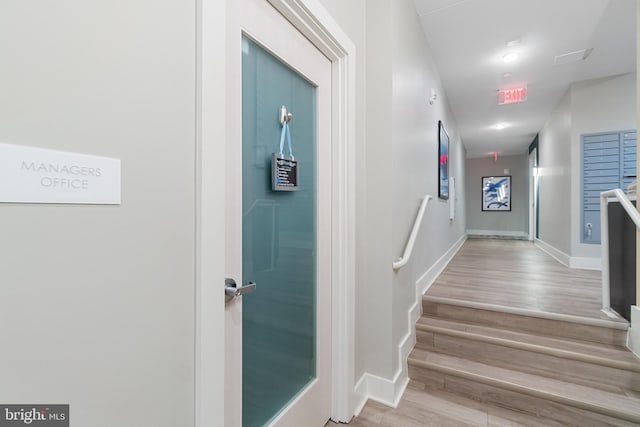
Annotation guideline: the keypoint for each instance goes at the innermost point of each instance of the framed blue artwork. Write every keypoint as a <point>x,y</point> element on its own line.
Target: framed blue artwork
<point>496,193</point>
<point>443,162</point>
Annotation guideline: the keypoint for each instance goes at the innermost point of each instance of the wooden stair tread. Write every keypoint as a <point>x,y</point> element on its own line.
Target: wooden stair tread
<point>468,411</point>
<point>579,396</point>
<point>607,353</point>
<point>527,321</point>
<point>473,294</point>
<point>602,319</point>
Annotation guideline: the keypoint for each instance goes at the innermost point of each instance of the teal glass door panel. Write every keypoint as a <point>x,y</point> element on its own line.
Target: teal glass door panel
<point>278,238</point>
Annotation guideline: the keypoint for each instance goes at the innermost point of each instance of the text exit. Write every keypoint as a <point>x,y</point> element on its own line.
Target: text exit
<point>512,96</point>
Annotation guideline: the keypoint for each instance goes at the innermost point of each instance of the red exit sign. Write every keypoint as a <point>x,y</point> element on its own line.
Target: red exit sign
<point>512,96</point>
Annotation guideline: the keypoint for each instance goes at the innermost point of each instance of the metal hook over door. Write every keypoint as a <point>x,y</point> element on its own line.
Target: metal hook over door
<point>285,116</point>
<point>231,289</point>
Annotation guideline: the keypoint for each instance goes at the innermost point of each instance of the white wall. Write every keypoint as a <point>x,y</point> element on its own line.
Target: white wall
<point>600,105</point>
<point>554,181</point>
<point>414,156</point>
<point>514,223</point>
<point>375,317</point>
<point>97,302</point>
<point>397,166</point>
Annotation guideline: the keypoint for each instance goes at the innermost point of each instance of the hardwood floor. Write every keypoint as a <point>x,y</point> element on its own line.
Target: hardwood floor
<point>510,337</point>
<point>424,407</point>
<point>517,274</point>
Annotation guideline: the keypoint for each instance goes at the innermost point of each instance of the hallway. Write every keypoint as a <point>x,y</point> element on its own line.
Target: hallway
<point>164,249</point>
<point>509,336</point>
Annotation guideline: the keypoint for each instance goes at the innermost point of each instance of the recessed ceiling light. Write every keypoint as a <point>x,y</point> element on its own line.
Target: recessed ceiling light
<point>511,57</point>
<point>500,126</point>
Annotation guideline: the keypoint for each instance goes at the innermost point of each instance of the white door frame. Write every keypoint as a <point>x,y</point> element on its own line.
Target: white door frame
<point>533,178</point>
<point>210,216</point>
<point>312,20</point>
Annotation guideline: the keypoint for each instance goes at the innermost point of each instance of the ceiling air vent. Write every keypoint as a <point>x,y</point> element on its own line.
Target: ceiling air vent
<point>568,58</point>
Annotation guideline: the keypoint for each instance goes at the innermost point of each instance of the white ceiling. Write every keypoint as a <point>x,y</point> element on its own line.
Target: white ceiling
<point>468,39</point>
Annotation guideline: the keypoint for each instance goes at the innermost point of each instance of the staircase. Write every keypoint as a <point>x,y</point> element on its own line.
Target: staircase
<point>553,370</point>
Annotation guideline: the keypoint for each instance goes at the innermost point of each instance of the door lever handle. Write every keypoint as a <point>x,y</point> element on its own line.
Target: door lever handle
<point>231,289</point>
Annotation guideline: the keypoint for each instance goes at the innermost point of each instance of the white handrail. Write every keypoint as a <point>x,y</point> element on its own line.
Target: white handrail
<point>408,249</point>
<point>604,230</point>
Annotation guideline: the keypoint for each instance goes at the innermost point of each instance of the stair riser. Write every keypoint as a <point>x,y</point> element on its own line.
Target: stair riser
<point>579,372</point>
<point>501,397</point>
<point>517,322</point>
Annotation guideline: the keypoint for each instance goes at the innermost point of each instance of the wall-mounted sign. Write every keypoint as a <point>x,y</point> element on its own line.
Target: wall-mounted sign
<point>37,175</point>
<point>512,96</point>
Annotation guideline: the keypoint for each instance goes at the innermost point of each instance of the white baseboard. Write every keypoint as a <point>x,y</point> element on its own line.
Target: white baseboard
<point>560,256</point>
<point>362,393</point>
<point>582,263</point>
<point>414,314</point>
<point>426,280</point>
<point>499,233</point>
<point>389,392</point>
<point>633,339</point>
